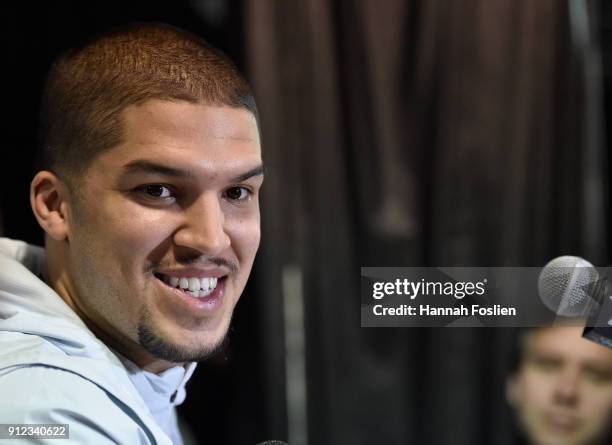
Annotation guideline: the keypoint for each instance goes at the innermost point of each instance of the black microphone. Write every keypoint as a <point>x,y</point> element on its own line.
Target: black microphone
<point>570,286</point>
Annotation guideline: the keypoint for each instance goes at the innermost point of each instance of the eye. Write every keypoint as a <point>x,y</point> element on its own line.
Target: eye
<point>238,193</point>
<point>156,191</point>
<point>546,364</point>
<point>598,375</point>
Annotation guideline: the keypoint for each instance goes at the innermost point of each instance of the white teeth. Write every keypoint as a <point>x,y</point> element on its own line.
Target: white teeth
<point>200,294</point>
<point>204,293</point>
<point>194,284</point>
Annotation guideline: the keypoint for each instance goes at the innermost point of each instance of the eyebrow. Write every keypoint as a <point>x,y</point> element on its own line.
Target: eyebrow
<point>257,171</point>
<point>143,166</point>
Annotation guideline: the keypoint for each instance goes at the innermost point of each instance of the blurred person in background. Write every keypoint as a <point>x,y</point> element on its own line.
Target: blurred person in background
<point>561,389</point>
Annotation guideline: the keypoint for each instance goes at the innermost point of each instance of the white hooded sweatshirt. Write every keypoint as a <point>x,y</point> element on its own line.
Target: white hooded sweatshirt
<point>53,369</point>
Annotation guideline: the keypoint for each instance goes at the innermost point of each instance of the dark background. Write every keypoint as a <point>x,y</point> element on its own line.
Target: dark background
<point>395,133</point>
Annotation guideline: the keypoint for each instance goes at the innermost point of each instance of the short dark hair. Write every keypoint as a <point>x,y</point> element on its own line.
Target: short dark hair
<point>523,336</point>
<point>89,86</point>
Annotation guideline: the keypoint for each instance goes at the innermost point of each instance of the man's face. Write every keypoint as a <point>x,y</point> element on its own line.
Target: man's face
<point>174,206</point>
<point>563,391</point>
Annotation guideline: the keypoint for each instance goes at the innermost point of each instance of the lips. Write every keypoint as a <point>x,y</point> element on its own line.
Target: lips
<point>561,422</point>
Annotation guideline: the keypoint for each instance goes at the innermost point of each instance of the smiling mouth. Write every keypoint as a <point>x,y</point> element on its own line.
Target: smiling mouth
<point>192,286</point>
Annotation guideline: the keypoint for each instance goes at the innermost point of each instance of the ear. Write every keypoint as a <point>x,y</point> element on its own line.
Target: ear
<point>49,201</point>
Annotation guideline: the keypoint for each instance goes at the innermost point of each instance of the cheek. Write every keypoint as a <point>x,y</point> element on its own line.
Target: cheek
<point>245,235</point>
<point>598,402</point>
<point>127,233</point>
<point>131,222</point>
<point>596,411</point>
<point>536,390</point>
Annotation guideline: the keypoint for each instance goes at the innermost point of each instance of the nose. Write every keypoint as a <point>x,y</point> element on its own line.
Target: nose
<point>567,387</point>
<point>203,227</point>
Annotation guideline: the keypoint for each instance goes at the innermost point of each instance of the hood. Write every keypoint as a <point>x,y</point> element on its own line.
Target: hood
<point>29,306</point>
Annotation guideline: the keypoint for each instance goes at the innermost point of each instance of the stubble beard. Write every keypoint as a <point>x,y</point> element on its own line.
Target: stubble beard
<point>163,349</point>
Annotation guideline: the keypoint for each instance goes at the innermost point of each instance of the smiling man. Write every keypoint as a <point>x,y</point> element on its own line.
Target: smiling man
<point>148,196</point>
<point>562,389</point>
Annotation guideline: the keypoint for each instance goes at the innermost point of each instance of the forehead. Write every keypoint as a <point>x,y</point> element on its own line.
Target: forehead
<point>185,118</point>
<point>186,133</point>
<point>567,343</point>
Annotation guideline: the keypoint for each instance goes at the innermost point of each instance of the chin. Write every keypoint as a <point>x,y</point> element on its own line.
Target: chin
<point>186,346</point>
<point>178,352</point>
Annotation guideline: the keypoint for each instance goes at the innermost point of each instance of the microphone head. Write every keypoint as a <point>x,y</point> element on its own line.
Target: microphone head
<point>564,285</point>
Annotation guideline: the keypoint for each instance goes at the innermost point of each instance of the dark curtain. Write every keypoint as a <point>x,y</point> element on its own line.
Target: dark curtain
<point>412,133</point>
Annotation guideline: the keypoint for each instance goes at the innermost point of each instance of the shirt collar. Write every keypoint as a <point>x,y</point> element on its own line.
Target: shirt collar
<point>159,391</point>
